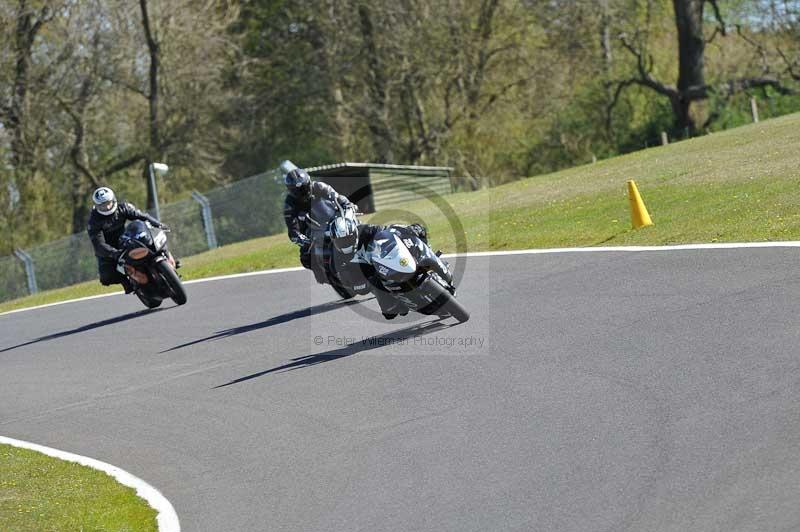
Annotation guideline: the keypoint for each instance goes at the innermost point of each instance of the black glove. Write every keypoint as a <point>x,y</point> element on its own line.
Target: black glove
<point>164,227</point>
<point>300,240</point>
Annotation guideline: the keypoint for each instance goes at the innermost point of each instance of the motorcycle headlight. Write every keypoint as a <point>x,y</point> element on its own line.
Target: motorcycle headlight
<point>138,253</point>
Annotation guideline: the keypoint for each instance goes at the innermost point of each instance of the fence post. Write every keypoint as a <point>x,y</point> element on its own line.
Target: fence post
<point>29,270</point>
<point>754,109</point>
<point>208,221</point>
<point>664,138</point>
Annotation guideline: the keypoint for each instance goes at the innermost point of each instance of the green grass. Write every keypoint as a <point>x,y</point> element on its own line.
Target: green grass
<point>39,493</point>
<point>739,185</point>
<point>736,186</point>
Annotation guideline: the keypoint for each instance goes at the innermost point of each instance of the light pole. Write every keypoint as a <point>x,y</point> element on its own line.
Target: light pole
<point>153,169</point>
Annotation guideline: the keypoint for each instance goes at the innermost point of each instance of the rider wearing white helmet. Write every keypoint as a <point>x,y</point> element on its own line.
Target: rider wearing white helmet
<point>106,225</point>
<point>355,268</point>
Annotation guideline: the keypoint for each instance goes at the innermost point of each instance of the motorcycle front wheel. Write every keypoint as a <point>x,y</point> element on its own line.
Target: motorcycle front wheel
<point>173,282</point>
<point>444,304</point>
<point>149,302</point>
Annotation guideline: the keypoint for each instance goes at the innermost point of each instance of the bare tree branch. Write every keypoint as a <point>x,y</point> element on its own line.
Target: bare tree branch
<point>760,49</point>
<point>643,68</point>
<point>736,86</point>
<point>620,88</point>
<point>790,65</point>
<point>124,84</point>
<point>718,16</point>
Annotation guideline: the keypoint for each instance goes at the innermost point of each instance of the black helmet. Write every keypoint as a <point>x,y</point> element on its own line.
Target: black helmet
<point>298,182</point>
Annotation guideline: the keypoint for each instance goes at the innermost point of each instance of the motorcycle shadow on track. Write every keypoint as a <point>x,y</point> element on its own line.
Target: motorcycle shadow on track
<point>355,348</point>
<point>87,327</point>
<point>283,318</point>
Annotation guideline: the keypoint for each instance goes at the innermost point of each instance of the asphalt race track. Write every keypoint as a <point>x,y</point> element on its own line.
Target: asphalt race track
<point>589,391</point>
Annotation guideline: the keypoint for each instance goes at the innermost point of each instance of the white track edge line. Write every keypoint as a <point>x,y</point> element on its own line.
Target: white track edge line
<point>203,280</point>
<point>167,518</point>
<point>544,251</point>
<point>675,247</point>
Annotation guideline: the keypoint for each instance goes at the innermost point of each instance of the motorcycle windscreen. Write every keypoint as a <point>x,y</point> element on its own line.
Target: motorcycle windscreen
<point>320,214</point>
<point>139,232</point>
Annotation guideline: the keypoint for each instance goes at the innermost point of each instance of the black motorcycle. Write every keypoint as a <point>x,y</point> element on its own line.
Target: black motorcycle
<point>406,268</point>
<point>319,219</point>
<point>149,266</point>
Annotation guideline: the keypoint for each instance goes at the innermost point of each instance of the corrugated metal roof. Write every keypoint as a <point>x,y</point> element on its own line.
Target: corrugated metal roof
<point>375,165</point>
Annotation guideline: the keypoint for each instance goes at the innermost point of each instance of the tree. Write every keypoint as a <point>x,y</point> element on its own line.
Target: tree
<point>690,22</point>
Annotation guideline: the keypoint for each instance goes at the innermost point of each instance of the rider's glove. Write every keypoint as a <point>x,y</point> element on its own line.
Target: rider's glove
<point>164,227</point>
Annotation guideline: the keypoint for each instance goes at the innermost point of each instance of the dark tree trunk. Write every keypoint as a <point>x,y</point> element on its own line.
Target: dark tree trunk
<point>80,202</point>
<point>153,49</point>
<point>477,73</point>
<point>80,192</point>
<point>691,59</point>
<point>680,110</point>
<point>378,115</point>
<point>28,24</point>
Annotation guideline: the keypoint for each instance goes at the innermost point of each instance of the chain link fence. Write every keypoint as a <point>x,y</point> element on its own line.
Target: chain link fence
<point>242,210</point>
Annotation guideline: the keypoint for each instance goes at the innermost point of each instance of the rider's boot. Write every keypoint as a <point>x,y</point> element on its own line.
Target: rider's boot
<point>127,285</point>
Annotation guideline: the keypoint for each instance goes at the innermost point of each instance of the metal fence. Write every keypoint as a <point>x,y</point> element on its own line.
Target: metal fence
<point>239,211</point>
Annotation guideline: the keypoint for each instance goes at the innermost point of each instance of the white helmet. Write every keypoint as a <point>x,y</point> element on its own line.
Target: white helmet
<point>345,232</point>
<point>105,202</point>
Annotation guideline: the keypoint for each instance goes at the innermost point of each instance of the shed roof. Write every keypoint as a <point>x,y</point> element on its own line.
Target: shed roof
<point>343,168</point>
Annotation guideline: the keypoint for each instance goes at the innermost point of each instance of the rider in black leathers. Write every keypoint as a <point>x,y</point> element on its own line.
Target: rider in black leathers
<point>106,225</point>
<point>302,193</point>
<point>355,269</point>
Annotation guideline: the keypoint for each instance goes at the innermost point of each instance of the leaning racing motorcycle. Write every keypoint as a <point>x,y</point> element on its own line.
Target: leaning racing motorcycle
<point>149,266</point>
<point>319,220</point>
<point>404,267</point>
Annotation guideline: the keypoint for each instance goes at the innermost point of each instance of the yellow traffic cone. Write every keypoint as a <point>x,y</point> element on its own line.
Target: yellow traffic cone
<point>639,214</point>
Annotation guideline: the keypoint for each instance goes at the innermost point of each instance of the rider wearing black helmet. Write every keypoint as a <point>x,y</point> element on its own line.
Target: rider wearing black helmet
<point>302,192</point>
<point>106,225</point>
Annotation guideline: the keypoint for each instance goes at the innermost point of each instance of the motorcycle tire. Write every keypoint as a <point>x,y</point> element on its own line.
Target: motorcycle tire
<point>173,282</point>
<point>444,304</point>
<point>149,302</point>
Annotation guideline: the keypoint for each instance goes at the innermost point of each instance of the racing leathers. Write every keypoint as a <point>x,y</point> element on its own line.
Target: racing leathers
<point>357,272</point>
<point>295,209</point>
<point>105,232</point>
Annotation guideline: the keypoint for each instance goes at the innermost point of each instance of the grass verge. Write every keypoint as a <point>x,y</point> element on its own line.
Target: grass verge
<point>739,185</point>
<point>39,493</point>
